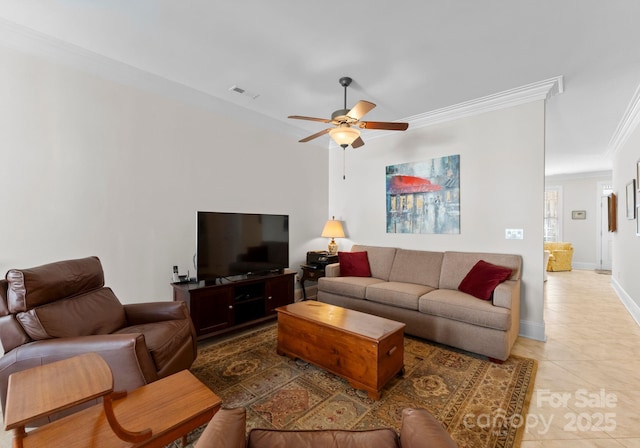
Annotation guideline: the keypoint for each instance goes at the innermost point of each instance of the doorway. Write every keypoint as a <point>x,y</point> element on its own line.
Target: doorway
<point>605,238</point>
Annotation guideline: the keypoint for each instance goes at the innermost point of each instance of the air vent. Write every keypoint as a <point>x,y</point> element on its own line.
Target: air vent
<point>244,92</point>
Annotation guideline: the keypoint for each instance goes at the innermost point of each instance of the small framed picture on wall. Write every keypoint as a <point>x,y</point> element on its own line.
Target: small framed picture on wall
<point>631,199</point>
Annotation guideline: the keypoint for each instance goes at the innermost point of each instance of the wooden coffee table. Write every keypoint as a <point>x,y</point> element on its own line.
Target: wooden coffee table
<point>365,350</point>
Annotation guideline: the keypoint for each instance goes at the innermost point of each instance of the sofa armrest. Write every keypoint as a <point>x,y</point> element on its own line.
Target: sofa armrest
<point>226,429</point>
<point>144,313</point>
<point>419,429</point>
<point>332,270</point>
<point>505,293</point>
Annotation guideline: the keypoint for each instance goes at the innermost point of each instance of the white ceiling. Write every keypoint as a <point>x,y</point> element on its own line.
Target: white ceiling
<point>409,57</point>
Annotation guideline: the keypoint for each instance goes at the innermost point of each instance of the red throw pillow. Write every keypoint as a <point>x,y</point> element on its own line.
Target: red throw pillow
<point>483,278</point>
<point>354,264</point>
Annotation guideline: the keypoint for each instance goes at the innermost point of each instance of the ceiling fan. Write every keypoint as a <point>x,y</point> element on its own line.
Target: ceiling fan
<point>346,121</point>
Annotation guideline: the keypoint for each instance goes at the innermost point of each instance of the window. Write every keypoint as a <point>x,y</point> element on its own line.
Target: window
<point>553,214</point>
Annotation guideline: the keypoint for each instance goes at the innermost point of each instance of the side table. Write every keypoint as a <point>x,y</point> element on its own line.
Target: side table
<point>310,272</point>
<point>154,415</point>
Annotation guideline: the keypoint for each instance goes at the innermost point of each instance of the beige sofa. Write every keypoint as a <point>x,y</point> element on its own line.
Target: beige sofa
<point>420,288</point>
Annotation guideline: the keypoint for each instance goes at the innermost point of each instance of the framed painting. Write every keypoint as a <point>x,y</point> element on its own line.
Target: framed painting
<point>631,199</point>
<point>424,197</point>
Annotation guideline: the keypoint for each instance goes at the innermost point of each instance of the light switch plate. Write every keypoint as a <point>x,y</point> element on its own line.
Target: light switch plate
<point>514,234</point>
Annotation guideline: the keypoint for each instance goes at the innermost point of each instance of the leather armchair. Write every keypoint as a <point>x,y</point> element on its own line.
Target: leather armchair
<point>561,256</point>
<point>63,309</point>
<point>419,429</point>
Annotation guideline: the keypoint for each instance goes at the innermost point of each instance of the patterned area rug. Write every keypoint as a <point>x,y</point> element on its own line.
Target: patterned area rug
<point>481,403</point>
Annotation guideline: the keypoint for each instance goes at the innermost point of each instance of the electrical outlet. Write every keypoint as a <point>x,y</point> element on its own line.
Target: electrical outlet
<point>514,234</point>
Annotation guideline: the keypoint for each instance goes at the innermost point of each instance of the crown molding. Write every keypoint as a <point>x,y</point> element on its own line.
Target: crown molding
<point>627,125</point>
<point>541,90</point>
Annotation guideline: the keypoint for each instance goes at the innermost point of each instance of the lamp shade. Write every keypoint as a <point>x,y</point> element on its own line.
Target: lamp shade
<point>344,135</point>
<point>333,229</point>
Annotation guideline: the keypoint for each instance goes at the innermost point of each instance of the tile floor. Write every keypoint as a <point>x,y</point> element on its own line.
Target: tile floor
<point>587,389</point>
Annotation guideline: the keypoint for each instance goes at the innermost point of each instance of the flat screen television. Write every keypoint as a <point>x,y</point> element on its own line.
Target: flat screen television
<point>240,244</point>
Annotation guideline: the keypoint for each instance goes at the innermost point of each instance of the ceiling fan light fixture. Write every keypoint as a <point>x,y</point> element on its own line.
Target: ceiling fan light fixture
<point>344,135</point>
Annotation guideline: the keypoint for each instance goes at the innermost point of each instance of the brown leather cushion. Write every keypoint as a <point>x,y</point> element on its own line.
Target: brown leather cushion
<point>11,333</point>
<point>420,428</point>
<point>268,438</point>
<point>96,312</point>
<point>4,309</point>
<point>163,339</point>
<point>37,286</point>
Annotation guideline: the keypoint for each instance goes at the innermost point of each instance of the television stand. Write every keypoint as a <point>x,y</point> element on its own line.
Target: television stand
<point>217,309</point>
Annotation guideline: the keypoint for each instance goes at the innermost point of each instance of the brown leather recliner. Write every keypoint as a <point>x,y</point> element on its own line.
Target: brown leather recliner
<point>63,309</point>
<point>419,429</point>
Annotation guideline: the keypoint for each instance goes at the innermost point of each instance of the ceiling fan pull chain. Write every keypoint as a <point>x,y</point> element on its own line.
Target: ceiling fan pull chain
<point>344,163</point>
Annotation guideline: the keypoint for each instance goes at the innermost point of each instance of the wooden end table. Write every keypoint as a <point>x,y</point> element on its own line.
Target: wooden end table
<point>153,415</point>
<point>310,272</point>
<point>365,350</point>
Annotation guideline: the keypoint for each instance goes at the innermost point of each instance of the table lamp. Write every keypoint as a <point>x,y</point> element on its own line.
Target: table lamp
<point>333,229</point>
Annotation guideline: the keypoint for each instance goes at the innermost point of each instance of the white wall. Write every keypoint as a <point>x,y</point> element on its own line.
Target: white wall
<point>580,192</point>
<point>626,244</point>
<point>93,167</point>
<point>501,186</point>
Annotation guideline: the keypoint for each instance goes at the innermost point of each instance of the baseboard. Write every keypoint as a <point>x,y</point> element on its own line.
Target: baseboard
<point>627,301</point>
<point>584,266</point>
<point>533,330</point>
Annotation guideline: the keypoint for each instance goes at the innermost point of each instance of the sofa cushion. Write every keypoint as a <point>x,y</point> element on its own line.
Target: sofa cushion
<point>460,306</point>
<point>32,287</point>
<point>329,438</point>
<point>354,264</point>
<point>95,312</point>
<point>354,287</point>
<point>380,259</point>
<point>402,295</point>
<point>416,266</point>
<point>456,265</point>
<point>163,339</point>
<point>483,278</point>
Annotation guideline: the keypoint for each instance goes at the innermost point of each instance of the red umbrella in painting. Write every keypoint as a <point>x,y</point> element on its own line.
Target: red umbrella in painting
<point>402,184</point>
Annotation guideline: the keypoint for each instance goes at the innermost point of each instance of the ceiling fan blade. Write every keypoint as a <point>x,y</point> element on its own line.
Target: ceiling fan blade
<point>316,135</point>
<point>360,109</point>
<point>357,143</point>
<point>300,117</point>
<point>384,125</point>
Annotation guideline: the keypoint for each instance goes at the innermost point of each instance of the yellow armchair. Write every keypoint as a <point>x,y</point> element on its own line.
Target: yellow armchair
<point>560,258</point>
